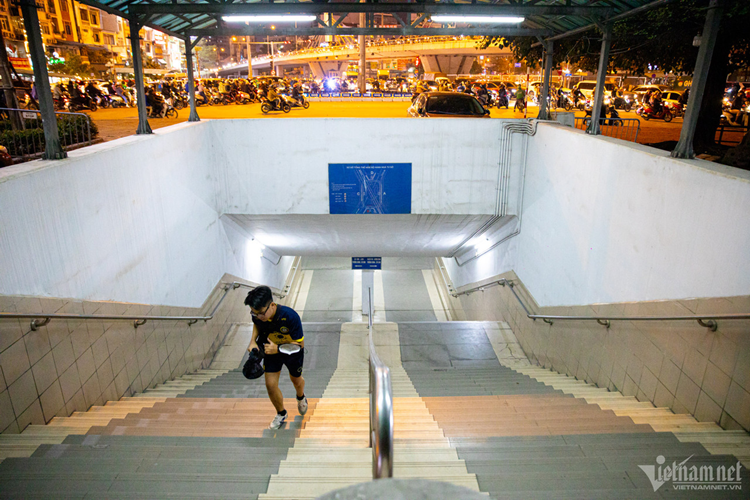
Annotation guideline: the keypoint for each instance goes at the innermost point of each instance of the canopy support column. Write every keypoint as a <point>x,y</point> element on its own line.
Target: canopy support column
<point>189,45</point>
<point>135,47</point>
<point>601,77</point>
<point>543,105</point>
<point>53,149</point>
<point>684,148</point>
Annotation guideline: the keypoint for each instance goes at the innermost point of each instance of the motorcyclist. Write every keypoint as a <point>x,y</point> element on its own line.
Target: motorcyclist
<point>420,88</point>
<point>577,96</point>
<point>297,94</point>
<point>273,97</point>
<point>656,102</point>
<point>155,101</point>
<point>483,95</point>
<point>520,100</point>
<point>734,113</point>
<point>502,96</point>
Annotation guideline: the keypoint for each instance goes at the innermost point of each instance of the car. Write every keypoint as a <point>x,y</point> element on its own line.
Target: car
<point>447,105</point>
<point>586,87</point>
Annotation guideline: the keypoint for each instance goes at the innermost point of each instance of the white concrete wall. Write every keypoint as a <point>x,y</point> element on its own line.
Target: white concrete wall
<point>281,166</point>
<point>132,220</point>
<point>609,221</point>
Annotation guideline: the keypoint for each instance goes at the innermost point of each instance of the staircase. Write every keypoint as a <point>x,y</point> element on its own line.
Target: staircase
<point>469,410</point>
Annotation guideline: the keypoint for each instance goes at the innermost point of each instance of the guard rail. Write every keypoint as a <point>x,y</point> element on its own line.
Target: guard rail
<point>74,130</point>
<point>381,409</point>
<point>705,320</point>
<point>620,128</point>
<point>41,319</point>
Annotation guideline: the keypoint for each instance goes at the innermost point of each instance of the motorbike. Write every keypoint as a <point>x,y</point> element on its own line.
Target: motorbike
<point>647,112</point>
<point>180,101</point>
<point>677,109</point>
<point>502,100</point>
<point>614,116</point>
<point>294,103</point>
<point>169,113</point>
<point>217,98</point>
<point>83,102</point>
<point>239,97</point>
<point>279,104</point>
<point>623,103</point>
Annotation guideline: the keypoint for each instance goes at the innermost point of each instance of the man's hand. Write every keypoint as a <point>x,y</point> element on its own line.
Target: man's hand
<point>271,348</point>
<point>251,347</point>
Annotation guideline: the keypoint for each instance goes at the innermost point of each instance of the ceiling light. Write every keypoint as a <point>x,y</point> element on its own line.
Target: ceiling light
<point>478,19</point>
<point>267,19</point>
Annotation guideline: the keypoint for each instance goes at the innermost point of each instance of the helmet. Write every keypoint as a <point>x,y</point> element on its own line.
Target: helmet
<point>252,368</point>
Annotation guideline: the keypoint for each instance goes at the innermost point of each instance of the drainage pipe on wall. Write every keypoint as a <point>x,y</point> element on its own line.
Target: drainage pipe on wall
<point>503,183</point>
<point>503,179</point>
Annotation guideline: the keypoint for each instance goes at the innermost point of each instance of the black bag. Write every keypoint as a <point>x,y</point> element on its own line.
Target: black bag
<point>252,368</point>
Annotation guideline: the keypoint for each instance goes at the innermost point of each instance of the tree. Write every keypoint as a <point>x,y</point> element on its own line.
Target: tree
<point>659,39</point>
<point>73,65</point>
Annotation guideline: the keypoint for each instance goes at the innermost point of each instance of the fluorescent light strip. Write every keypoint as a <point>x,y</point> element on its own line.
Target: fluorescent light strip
<point>478,19</point>
<point>267,19</point>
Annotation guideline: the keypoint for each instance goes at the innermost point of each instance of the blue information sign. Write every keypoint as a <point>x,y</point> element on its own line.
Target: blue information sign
<point>369,188</point>
<point>366,262</point>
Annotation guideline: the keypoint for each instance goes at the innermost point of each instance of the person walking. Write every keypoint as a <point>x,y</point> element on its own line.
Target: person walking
<point>275,325</point>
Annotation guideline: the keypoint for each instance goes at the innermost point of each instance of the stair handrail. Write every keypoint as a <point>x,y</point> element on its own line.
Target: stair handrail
<point>41,319</point>
<point>705,320</point>
<point>381,408</point>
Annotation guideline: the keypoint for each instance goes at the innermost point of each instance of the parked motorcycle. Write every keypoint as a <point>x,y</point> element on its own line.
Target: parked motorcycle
<point>623,103</point>
<point>277,105</point>
<point>647,112</point>
<point>84,102</point>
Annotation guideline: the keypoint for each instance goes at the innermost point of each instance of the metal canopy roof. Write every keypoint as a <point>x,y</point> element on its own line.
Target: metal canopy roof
<point>544,18</point>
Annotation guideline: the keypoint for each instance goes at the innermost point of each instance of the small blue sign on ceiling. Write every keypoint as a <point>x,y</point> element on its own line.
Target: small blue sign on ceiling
<point>369,188</point>
<point>366,262</point>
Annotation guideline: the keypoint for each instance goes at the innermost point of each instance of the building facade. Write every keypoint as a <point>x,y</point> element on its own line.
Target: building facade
<point>101,39</point>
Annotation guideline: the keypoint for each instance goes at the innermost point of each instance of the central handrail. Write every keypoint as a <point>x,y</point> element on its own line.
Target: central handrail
<point>138,320</point>
<point>705,320</point>
<point>381,408</point>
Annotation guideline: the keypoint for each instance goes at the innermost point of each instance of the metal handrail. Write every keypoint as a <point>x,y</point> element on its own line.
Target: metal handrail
<point>705,320</point>
<point>381,409</point>
<point>137,320</point>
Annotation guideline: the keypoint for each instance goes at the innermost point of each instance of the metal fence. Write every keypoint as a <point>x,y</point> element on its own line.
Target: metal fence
<point>735,132</point>
<point>26,142</point>
<point>620,128</point>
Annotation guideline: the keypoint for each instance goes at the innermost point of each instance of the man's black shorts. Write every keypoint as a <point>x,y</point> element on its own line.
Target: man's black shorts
<point>273,362</point>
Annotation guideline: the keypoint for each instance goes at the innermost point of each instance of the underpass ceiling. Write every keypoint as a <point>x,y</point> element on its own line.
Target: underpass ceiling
<point>360,235</point>
<point>203,17</point>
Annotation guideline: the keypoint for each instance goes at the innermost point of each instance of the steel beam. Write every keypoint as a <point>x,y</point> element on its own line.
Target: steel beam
<point>244,30</point>
<point>191,78</point>
<point>543,109</point>
<point>684,148</point>
<point>52,149</point>
<point>260,8</point>
<point>601,77</point>
<point>135,47</point>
